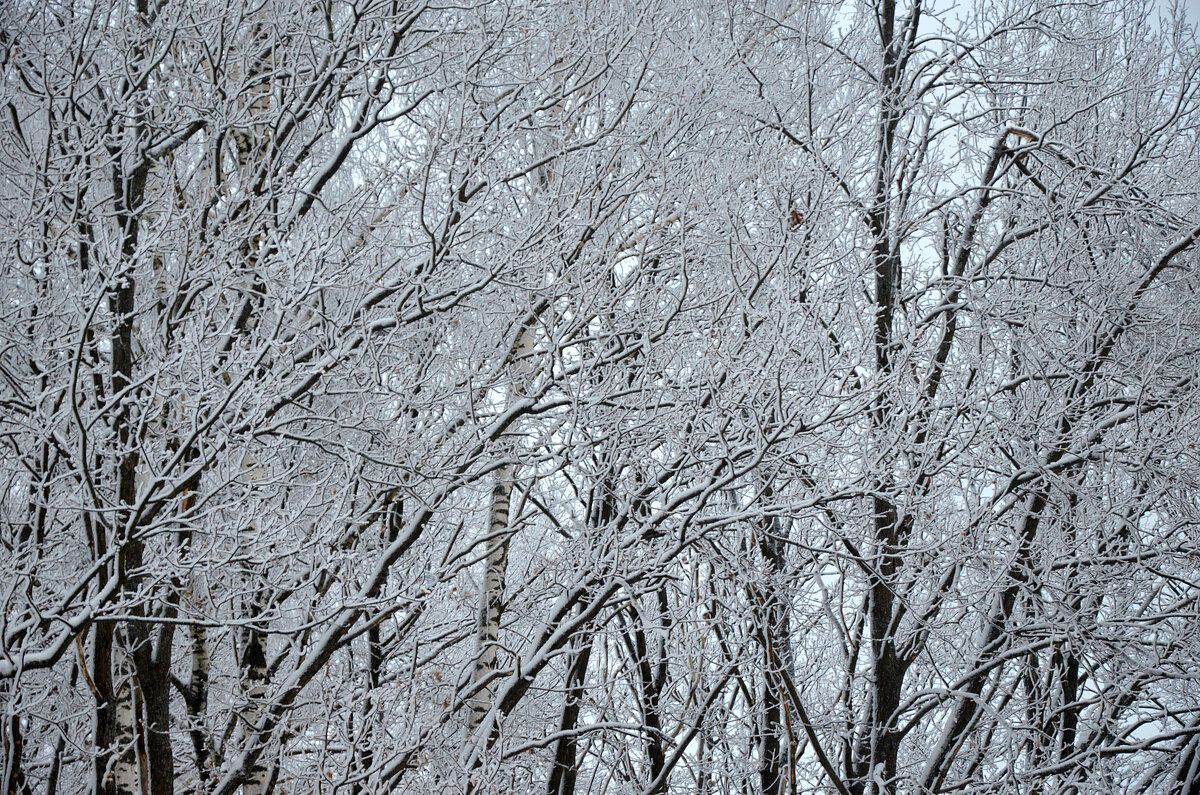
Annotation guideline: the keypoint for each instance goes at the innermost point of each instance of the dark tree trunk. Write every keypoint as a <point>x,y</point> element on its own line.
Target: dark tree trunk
<point>12,745</point>
<point>105,725</point>
<point>774,636</point>
<point>563,772</point>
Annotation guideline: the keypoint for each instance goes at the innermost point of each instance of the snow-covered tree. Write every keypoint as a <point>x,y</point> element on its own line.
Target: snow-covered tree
<point>611,397</point>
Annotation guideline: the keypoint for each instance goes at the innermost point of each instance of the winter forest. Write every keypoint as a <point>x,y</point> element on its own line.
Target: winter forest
<point>612,397</point>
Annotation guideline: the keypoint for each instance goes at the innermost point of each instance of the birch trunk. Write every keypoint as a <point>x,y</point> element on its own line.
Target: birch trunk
<point>197,705</point>
<point>491,609</point>
<point>125,780</point>
<point>254,658</point>
<point>254,668</point>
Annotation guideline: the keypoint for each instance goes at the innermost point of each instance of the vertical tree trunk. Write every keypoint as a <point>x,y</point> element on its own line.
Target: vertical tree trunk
<point>11,743</point>
<point>152,664</point>
<point>492,603</point>
<point>562,778</point>
<point>491,609</point>
<point>195,697</point>
<point>197,705</point>
<point>364,756</point>
<point>254,678</point>
<point>104,718</point>
<point>125,774</point>
<point>775,735</point>
<point>129,173</point>
<point>652,684</point>
<point>563,772</point>
<point>878,769</point>
<point>650,668</point>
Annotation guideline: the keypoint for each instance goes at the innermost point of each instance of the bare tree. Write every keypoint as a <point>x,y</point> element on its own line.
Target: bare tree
<point>1006,246</point>
<point>614,398</point>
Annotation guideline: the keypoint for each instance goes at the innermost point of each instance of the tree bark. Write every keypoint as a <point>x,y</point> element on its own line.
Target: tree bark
<point>563,771</point>
<point>491,609</point>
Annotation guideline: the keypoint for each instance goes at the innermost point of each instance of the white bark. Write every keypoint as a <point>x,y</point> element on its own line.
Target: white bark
<point>125,775</point>
<point>499,536</point>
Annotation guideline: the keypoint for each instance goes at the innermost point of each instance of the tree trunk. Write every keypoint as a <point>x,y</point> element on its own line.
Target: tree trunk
<point>125,774</point>
<point>254,678</point>
<point>492,603</point>
<point>773,623</point>
<point>491,608</point>
<point>197,705</point>
<point>11,743</point>
<point>104,719</point>
<point>364,759</point>
<point>563,771</point>
<point>152,663</point>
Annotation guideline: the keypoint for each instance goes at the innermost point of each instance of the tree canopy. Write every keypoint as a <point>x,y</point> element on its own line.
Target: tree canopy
<point>613,397</point>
